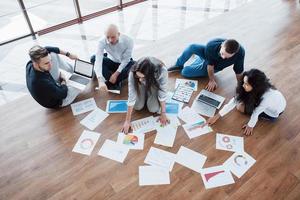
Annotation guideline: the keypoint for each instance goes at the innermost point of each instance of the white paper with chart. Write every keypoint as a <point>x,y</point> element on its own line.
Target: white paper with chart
<point>196,129</point>
<point>86,142</point>
<point>229,143</point>
<point>216,176</point>
<point>83,106</point>
<point>92,120</point>
<point>131,140</point>
<point>239,163</point>
<point>143,125</point>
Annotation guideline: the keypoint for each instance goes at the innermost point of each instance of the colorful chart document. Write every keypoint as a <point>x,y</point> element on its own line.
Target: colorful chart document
<point>216,176</point>
<point>92,120</point>
<point>131,141</point>
<point>186,82</point>
<point>83,106</point>
<point>196,129</point>
<point>86,142</point>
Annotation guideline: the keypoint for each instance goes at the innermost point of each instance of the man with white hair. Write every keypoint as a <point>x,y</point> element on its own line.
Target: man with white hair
<point>113,65</point>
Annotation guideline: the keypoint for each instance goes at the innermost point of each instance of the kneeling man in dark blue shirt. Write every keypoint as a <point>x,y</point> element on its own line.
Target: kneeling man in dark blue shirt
<point>44,81</point>
<point>213,57</point>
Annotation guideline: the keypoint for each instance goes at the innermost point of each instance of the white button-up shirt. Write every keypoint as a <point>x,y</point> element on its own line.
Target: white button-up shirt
<point>121,52</point>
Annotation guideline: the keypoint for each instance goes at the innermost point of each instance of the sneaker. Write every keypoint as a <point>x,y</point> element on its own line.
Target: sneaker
<point>175,68</point>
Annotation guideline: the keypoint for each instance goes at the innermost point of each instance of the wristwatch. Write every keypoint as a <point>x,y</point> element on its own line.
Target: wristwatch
<point>68,54</point>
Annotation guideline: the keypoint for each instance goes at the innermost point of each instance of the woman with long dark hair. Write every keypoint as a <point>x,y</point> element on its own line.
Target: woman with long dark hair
<point>255,96</point>
<point>147,84</point>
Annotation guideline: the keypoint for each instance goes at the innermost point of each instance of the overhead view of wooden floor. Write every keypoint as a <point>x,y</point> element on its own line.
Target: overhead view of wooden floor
<point>36,158</point>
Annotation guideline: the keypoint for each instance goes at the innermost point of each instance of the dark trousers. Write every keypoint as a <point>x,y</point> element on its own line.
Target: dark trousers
<point>109,67</point>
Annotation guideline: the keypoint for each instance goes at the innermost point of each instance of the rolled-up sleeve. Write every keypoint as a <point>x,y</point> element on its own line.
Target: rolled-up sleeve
<point>163,83</point>
<point>256,112</point>
<point>131,90</point>
<point>126,56</point>
<point>228,107</point>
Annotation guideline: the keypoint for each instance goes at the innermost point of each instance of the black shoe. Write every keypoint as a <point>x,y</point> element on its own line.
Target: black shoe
<point>175,68</point>
<point>114,88</point>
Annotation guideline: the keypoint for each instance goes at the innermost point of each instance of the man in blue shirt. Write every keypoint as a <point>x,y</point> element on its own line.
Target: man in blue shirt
<point>44,81</point>
<point>214,57</point>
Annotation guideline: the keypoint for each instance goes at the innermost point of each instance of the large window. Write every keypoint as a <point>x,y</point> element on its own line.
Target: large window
<point>21,18</point>
<point>12,21</point>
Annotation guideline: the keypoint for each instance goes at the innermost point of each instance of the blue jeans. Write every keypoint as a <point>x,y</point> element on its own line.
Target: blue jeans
<point>199,67</point>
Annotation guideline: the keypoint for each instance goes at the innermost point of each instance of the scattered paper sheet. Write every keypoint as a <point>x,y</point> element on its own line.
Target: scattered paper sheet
<point>195,129</point>
<point>166,135</point>
<point>116,106</point>
<point>131,141</point>
<point>143,125</point>
<point>150,175</point>
<point>174,121</point>
<point>191,83</point>
<point>114,151</point>
<point>190,159</point>
<point>160,158</point>
<point>183,93</point>
<point>92,120</point>
<point>86,142</point>
<point>189,116</point>
<point>83,106</point>
<point>239,163</point>
<point>203,108</point>
<point>216,176</point>
<point>229,143</point>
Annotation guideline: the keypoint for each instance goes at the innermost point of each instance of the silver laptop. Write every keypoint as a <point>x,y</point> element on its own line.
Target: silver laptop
<point>83,73</point>
<point>211,99</point>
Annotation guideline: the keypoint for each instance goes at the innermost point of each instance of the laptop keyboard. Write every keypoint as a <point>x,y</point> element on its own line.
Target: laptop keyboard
<point>79,79</point>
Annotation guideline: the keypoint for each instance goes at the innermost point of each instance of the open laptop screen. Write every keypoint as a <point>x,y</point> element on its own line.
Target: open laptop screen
<point>84,68</point>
